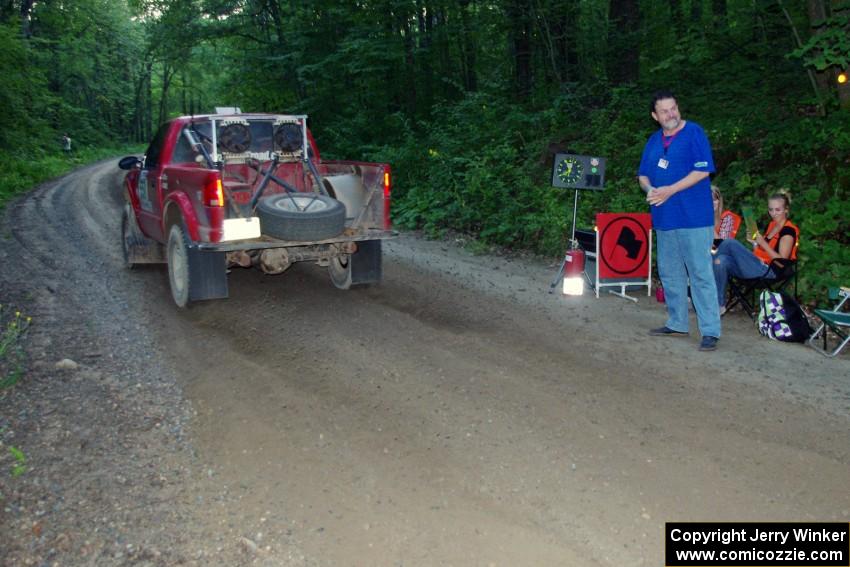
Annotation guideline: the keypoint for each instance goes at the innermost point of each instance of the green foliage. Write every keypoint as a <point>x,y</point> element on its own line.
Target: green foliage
<point>13,330</point>
<point>476,166</point>
<point>466,100</point>
<point>23,94</point>
<point>469,171</point>
<point>22,171</point>
<point>69,73</point>
<point>20,465</point>
<point>830,47</point>
<point>808,157</point>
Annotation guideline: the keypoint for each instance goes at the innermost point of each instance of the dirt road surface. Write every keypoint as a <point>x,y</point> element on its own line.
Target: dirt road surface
<point>457,414</point>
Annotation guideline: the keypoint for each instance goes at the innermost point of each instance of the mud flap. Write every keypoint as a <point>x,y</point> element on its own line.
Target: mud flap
<point>366,265</point>
<point>208,278</point>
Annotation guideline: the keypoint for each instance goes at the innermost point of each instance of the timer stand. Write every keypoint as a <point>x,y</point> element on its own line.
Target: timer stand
<point>572,171</point>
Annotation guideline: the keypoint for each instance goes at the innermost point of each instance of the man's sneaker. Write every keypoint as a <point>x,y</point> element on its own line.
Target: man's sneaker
<point>666,332</point>
<point>708,343</point>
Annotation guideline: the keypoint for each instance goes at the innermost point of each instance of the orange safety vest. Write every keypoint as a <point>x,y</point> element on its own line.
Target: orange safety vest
<point>774,242</point>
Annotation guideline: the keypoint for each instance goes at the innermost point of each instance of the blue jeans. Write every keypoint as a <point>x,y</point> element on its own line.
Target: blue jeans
<point>735,259</point>
<point>683,254</point>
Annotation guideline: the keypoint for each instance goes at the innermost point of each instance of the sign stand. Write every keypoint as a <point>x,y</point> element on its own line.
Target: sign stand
<point>574,245</point>
<point>623,252</point>
<point>623,285</point>
<point>577,172</point>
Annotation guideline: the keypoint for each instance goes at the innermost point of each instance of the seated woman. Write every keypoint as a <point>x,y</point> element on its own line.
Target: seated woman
<point>766,258</point>
<point>726,223</point>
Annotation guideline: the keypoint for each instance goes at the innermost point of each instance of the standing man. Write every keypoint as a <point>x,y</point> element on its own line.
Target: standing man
<point>674,171</point>
<point>66,144</point>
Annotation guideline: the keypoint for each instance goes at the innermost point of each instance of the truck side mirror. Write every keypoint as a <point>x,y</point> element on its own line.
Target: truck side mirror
<point>129,162</point>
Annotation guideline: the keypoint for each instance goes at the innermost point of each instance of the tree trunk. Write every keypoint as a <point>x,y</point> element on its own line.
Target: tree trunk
<point>425,19</point>
<point>141,98</point>
<point>517,12</point>
<point>812,77</point>
<point>26,18</point>
<point>410,63</point>
<point>277,22</point>
<point>183,106</point>
<point>443,48</point>
<point>818,11</point>
<point>554,42</point>
<point>149,105</point>
<point>623,42</point>
<point>676,14</point>
<point>718,9</point>
<point>281,47</point>
<point>696,15</point>
<point>167,74</point>
<point>467,45</point>
<point>7,8</point>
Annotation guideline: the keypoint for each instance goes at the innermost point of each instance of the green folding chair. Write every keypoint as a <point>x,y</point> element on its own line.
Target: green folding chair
<point>836,320</point>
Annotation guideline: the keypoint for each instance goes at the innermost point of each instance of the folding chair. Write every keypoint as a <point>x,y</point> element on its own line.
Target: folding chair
<point>743,291</point>
<point>836,320</point>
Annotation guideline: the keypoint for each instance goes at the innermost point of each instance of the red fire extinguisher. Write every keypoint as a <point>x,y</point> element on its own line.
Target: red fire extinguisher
<point>574,263</point>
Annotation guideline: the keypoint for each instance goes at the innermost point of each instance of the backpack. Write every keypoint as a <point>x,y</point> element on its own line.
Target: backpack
<point>781,318</point>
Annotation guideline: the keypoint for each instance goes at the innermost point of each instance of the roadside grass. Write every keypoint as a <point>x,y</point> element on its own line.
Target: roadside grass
<point>477,247</point>
<point>20,173</point>
<point>19,466</point>
<point>14,326</point>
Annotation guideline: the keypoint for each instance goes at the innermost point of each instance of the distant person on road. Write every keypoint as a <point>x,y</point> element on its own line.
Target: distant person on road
<point>770,255</point>
<point>66,144</point>
<point>674,172</point>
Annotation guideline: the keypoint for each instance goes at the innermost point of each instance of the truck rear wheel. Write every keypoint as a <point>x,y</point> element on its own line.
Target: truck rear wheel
<point>179,273</point>
<point>340,271</point>
<point>301,216</point>
<point>359,269</point>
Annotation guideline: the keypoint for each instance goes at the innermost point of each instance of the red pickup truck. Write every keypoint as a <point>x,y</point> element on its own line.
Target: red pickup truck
<point>251,190</point>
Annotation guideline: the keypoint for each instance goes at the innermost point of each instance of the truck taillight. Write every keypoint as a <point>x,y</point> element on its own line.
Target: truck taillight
<point>387,189</point>
<point>213,192</point>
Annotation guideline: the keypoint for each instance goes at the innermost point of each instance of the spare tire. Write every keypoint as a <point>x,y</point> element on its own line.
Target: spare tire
<point>301,216</point>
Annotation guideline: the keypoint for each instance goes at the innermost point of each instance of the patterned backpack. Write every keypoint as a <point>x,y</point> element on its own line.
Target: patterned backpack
<point>781,318</point>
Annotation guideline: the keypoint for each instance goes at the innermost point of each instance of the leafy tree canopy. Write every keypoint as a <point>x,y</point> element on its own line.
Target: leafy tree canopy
<point>468,100</point>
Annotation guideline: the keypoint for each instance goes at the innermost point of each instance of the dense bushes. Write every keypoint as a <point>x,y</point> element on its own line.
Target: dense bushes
<point>471,170</point>
<point>481,166</point>
<point>467,100</point>
<point>23,171</point>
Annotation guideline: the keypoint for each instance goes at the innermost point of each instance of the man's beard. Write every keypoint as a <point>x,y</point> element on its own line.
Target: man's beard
<point>672,124</point>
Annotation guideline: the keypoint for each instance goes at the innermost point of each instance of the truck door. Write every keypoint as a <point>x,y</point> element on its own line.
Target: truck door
<point>149,188</point>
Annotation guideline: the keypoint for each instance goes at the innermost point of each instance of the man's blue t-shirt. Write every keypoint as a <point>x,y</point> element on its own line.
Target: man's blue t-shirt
<point>689,151</point>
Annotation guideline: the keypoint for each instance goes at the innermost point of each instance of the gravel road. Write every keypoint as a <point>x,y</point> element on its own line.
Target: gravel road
<point>456,414</point>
